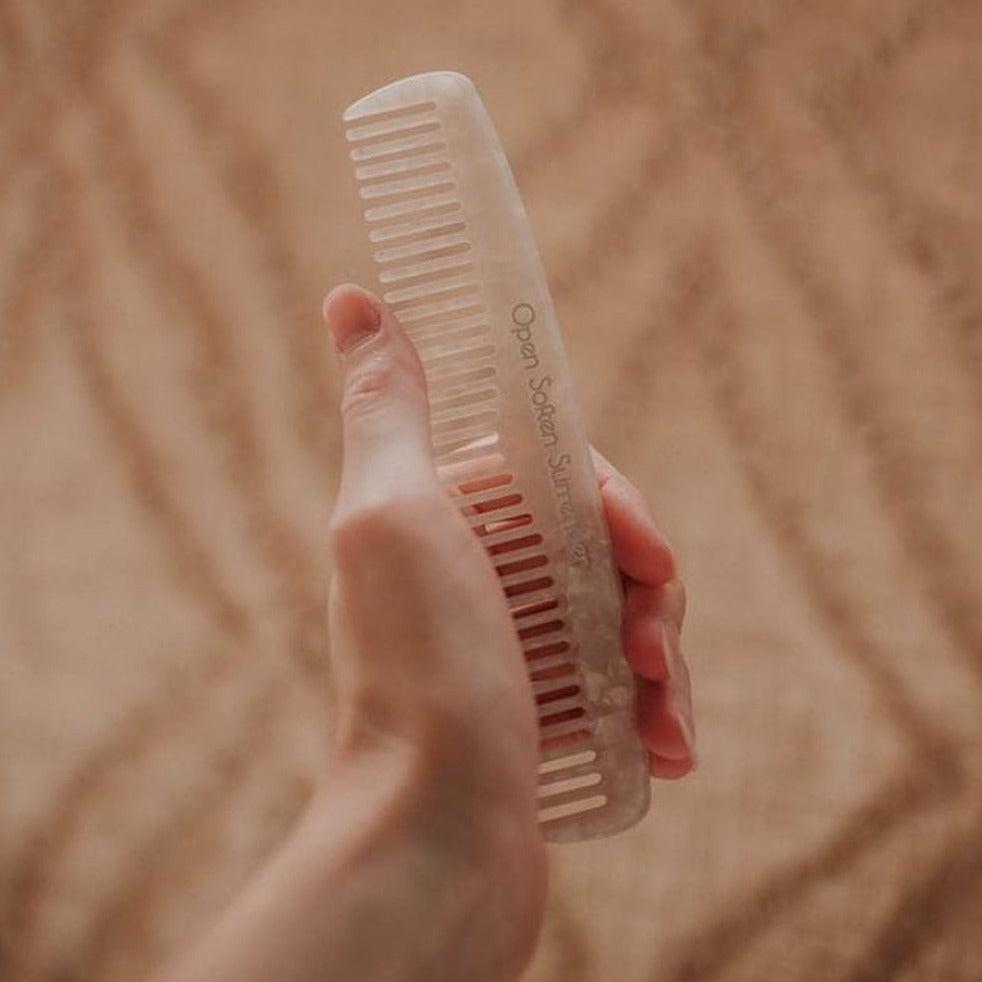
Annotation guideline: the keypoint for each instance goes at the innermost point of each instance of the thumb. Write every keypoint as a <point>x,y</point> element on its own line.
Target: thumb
<point>384,404</point>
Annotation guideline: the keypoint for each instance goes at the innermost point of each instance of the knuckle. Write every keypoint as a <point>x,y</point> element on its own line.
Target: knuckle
<point>368,384</point>
<point>385,375</point>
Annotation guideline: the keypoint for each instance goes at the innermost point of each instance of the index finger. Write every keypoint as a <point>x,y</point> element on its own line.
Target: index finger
<point>640,549</point>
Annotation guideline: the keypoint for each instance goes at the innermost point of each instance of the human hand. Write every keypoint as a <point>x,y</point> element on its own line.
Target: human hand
<point>423,644</point>
<point>420,856</point>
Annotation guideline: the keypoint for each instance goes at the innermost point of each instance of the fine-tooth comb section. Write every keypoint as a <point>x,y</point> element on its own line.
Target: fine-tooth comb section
<point>457,264</point>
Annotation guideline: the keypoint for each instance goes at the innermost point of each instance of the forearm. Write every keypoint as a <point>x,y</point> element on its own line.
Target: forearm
<point>363,891</point>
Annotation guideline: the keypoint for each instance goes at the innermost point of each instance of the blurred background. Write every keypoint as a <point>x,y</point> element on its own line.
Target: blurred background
<point>762,222</point>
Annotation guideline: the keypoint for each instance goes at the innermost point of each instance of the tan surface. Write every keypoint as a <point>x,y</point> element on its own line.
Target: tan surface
<point>763,222</point>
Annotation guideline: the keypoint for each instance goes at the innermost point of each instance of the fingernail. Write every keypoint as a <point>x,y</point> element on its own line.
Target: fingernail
<point>684,724</point>
<point>672,651</point>
<point>680,697</point>
<point>352,319</point>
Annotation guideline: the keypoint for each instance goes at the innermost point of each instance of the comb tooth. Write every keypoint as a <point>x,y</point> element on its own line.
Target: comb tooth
<point>488,482</point>
<point>530,587</point>
<point>389,134</point>
<point>551,607</point>
<point>537,651</point>
<point>481,420</point>
<point>447,380</point>
<point>401,165</point>
<point>559,694</point>
<point>447,386</point>
<point>492,533</point>
<point>440,408</point>
<point>541,628</point>
<point>565,671</point>
<point>566,761</point>
<point>442,222</point>
<point>462,443</point>
<point>452,316</point>
<point>462,299</point>
<point>489,502</point>
<point>563,727</point>
<point>527,582</point>
<point>430,178</point>
<point>559,669</point>
<point>552,663</point>
<point>571,807</point>
<point>570,782</point>
<point>518,574</point>
<point>557,719</point>
<point>584,763</point>
<point>439,260</point>
<point>469,451</point>
<point>436,197</point>
<point>416,223</point>
<point>443,269</point>
<point>482,502</point>
<point>406,297</point>
<point>425,253</point>
<point>418,122</point>
<point>561,701</point>
<point>421,227</point>
<point>474,470</point>
<point>444,237</point>
<point>445,342</point>
<point>424,242</point>
<point>564,743</point>
<point>515,548</point>
<point>440,365</point>
<point>468,344</point>
<point>419,143</point>
<point>392,113</point>
<point>558,665</point>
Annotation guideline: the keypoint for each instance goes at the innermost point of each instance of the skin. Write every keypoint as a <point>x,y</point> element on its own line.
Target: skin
<point>419,857</point>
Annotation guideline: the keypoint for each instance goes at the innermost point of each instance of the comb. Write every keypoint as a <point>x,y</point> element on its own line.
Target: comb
<point>458,265</point>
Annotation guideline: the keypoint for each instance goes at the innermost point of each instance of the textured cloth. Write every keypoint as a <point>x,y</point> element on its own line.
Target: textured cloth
<point>763,226</point>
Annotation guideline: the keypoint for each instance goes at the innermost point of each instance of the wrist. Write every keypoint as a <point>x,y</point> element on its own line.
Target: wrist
<point>455,879</point>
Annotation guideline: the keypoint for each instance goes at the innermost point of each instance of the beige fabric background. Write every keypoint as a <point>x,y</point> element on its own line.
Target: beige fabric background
<point>763,225</point>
